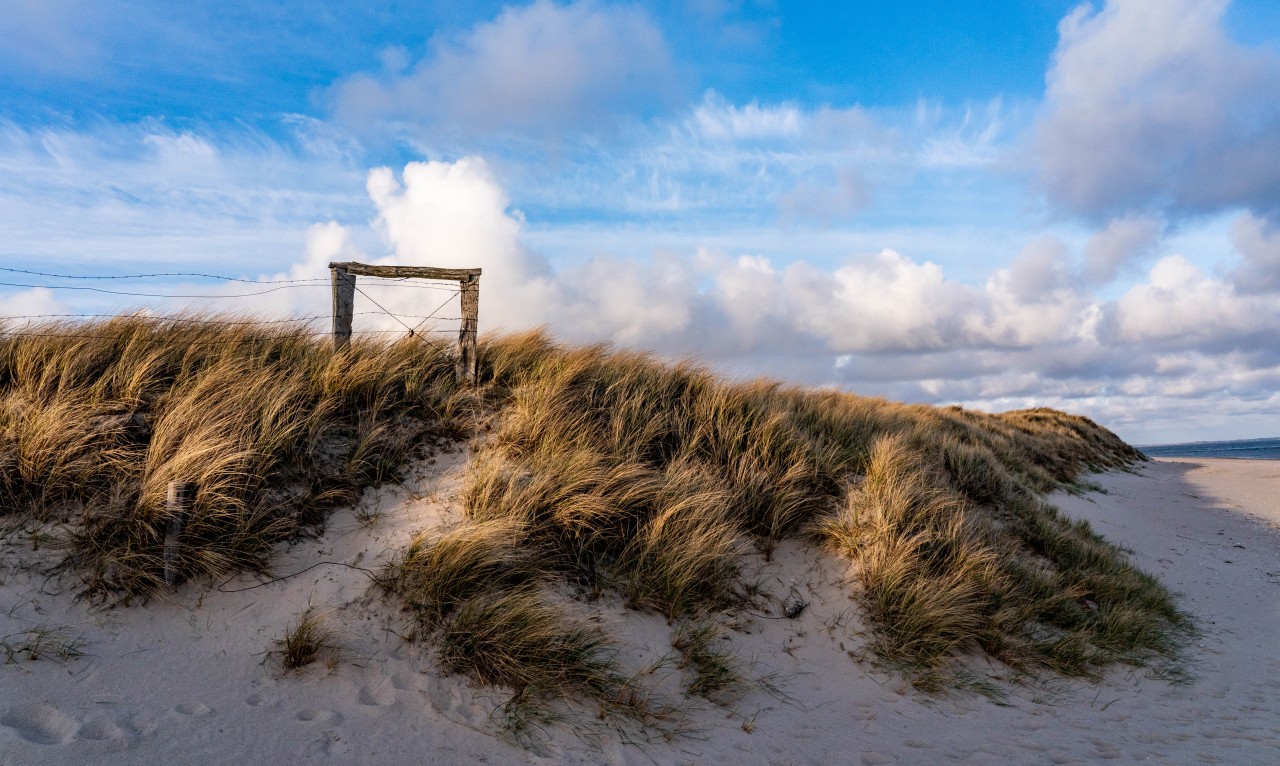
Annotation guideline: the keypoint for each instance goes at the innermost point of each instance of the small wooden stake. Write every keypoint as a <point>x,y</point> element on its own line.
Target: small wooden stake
<point>344,298</point>
<point>178,505</point>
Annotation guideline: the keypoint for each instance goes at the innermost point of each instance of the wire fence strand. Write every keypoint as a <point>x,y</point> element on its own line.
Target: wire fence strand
<point>74,325</point>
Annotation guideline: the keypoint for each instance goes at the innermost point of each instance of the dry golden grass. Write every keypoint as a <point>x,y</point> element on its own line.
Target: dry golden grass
<point>601,471</point>
<point>309,639</point>
<point>653,480</point>
<point>272,425</point>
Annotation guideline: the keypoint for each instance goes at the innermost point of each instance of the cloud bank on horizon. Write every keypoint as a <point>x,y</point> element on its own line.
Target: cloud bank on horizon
<point>1107,241</point>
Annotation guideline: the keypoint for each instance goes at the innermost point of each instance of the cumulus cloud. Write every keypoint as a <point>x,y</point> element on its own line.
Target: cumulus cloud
<point>1258,241</point>
<point>1150,105</point>
<point>457,215</point>
<point>1120,244</point>
<point>1182,307</point>
<point>1031,334</point>
<point>885,302</point>
<point>36,302</point>
<point>878,320</point>
<point>534,68</point>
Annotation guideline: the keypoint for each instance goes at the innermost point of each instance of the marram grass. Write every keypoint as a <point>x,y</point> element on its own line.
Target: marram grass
<point>598,472</point>
<point>273,426</point>
<point>654,481</point>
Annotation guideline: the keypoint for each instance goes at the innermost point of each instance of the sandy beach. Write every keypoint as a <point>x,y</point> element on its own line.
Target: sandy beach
<point>190,679</point>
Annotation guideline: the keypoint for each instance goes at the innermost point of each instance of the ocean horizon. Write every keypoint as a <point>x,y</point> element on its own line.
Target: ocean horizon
<point>1267,448</point>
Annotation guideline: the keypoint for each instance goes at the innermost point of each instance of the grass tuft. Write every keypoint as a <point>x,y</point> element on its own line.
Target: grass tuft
<point>713,671</point>
<point>42,643</point>
<point>308,640</point>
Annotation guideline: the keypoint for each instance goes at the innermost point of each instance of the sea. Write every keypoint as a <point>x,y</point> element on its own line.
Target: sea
<point>1253,449</point>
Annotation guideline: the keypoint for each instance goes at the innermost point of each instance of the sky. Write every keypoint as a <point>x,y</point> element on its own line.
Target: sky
<point>998,204</point>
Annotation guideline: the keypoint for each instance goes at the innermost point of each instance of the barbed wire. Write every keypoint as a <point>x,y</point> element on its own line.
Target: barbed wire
<point>158,274</point>
<point>193,320</point>
<point>10,334</point>
<point>384,309</point>
<point>405,282</point>
<point>157,295</point>
<point>306,281</point>
<point>432,314</point>
<point>31,328</point>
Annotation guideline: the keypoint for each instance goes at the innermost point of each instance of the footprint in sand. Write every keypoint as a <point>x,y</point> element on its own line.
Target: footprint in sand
<point>1107,753</point>
<point>137,726</point>
<point>100,729</point>
<point>258,700</point>
<point>453,700</point>
<point>318,716</point>
<point>380,693</point>
<point>192,708</point>
<point>40,724</point>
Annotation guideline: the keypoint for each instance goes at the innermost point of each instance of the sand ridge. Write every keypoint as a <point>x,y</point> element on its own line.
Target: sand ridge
<point>188,680</point>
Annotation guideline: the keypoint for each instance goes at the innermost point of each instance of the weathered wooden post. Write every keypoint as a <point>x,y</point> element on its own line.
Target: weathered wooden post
<point>468,361</point>
<point>344,296</point>
<point>178,504</point>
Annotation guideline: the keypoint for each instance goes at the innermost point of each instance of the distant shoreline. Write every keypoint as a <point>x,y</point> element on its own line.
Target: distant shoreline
<point>1239,449</point>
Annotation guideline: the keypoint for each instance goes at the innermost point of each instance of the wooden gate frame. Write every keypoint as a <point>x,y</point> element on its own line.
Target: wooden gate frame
<point>344,294</point>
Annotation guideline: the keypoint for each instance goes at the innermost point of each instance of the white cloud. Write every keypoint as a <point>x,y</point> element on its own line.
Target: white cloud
<point>535,68</point>
<point>717,119</point>
<point>826,203</point>
<point>1032,334</point>
<point>886,302</point>
<point>647,304</point>
<point>1120,244</point>
<point>1258,241</point>
<point>1150,105</point>
<point>1034,303</point>
<point>1181,306</point>
<point>455,215</point>
<point>36,302</point>
<point>1033,310</point>
<point>145,193</point>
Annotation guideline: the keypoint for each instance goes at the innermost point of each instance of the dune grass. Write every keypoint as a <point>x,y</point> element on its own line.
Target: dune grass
<point>654,481</point>
<point>598,472</point>
<point>273,426</point>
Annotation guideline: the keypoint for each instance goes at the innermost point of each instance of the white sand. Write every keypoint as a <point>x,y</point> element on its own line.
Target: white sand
<point>184,681</point>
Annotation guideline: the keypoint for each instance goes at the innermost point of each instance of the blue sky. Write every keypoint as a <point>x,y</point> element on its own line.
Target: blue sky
<point>998,204</point>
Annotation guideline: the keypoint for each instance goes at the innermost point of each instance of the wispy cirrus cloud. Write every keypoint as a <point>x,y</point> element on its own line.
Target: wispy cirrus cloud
<point>146,193</point>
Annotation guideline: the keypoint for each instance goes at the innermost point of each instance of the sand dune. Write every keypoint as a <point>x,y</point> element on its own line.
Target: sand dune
<point>189,680</point>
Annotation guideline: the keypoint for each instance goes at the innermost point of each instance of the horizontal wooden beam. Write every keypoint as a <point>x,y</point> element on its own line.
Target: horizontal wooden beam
<point>399,272</point>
